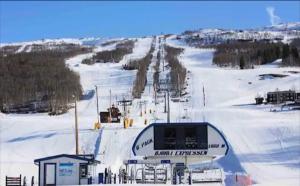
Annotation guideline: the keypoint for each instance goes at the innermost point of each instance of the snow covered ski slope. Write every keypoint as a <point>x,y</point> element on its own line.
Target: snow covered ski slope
<point>25,137</point>
<point>264,144</point>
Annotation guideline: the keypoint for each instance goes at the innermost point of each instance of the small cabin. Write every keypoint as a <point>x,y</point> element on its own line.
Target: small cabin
<point>65,169</point>
<point>259,100</point>
<point>281,96</point>
<point>297,100</point>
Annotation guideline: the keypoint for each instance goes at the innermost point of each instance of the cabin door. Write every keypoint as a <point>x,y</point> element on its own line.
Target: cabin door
<point>50,174</point>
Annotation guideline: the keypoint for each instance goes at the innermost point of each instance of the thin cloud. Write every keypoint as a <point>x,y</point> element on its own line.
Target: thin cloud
<point>274,19</point>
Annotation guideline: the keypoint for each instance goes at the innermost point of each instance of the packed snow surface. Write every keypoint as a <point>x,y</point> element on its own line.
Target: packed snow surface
<point>264,144</point>
<point>267,144</point>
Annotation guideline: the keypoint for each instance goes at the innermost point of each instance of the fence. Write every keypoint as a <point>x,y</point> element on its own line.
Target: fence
<point>17,181</point>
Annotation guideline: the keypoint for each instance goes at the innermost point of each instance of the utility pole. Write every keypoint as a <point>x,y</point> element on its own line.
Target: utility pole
<point>141,103</point>
<point>203,103</point>
<point>179,85</point>
<point>166,90</point>
<point>110,103</point>
<point>165,106</point>
<point>97,103</point>
<point>141,108</point>
<point>203,96</point>
<point>155,94</point>
<point>163,58</point>
<point>76,128</point>
<point>124,103</point>
<point>168,118</point>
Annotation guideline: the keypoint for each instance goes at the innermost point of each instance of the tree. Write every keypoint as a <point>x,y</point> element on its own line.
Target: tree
<point>277,51</point>
<point>242,62</point>
<point>177,71</point>
<point>285,51</point>
<point>141,76</point>
<point>116,55</point>
<point>31,79</point>
<point>294,52</point>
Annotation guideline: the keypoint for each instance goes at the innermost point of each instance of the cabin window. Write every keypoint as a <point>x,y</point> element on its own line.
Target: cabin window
<point>83,169</point>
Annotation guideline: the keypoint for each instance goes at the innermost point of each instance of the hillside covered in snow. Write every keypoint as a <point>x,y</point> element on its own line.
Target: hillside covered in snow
<point>264,139</point>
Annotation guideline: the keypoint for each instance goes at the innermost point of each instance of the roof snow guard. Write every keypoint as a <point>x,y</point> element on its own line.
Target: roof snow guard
<point>89,158</point>
<point>199,140</point>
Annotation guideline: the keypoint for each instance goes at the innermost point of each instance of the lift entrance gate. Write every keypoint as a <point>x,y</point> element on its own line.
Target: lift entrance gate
<point>168,171</point>
<point>154,171</point>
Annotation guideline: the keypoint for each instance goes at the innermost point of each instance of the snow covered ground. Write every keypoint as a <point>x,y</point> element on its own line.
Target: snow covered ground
<point>25,137</point>
<point>264,144</point>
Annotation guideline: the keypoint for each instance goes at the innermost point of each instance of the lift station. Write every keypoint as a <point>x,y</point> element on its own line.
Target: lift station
<point>164,152</point>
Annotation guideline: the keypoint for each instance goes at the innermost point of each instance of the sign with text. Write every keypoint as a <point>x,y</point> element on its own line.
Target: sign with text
<point>179,140</point>
<point>66,169</point>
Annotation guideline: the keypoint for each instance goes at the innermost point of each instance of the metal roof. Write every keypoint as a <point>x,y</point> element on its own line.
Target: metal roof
<point>85,157</point>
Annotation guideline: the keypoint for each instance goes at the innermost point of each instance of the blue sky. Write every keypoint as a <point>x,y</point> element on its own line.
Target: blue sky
<point>24,21</point>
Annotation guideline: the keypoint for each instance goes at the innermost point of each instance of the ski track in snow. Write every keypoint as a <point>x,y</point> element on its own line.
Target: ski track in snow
<point>264,144</point>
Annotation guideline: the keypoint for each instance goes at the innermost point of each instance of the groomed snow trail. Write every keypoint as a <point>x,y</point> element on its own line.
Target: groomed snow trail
<point>116,142</point>
<point>267,144</point>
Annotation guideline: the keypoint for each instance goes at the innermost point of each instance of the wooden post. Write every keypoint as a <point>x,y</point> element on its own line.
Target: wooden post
<point>76,128</point>
<point>32,181</point>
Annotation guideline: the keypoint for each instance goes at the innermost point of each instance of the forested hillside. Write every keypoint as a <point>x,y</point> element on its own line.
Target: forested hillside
<point>178,71</point>
<point>115,55</point>
<point>247,54</point>
<point>38,81</point>
<point>142,66</point>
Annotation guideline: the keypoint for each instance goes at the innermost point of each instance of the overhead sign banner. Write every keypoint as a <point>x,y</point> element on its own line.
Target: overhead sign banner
<point>180,140</point>
<point>66,169</point>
